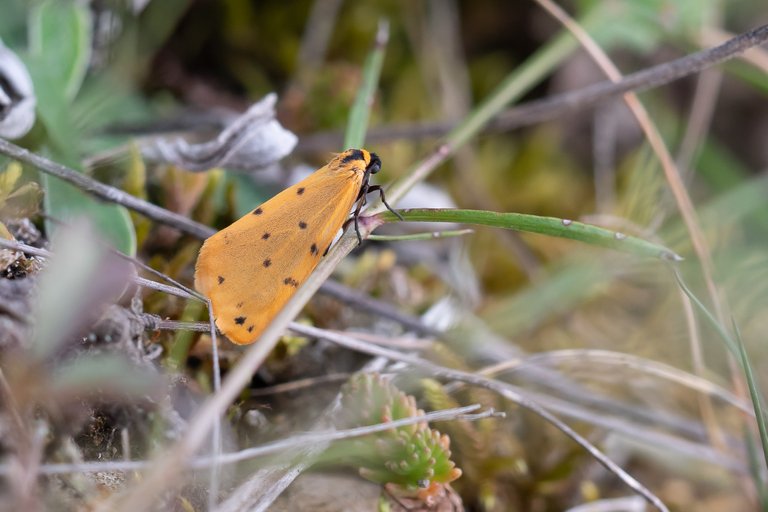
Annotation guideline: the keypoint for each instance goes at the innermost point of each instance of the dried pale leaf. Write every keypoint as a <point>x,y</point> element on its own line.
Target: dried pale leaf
<point>4,233</point>
<point>17,97</point>
<point>8,178</point>
<point>76,285</point>
<point>252,141</point>
<point>22,202</point>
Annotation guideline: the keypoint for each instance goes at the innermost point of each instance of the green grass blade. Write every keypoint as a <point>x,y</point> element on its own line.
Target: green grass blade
<point>736,346</point>
<point>552,226</point>
<point>755,467</point>
<point>361,110</point>
<point>183,340</point>
<point>755,395</point>
<point>432,235</point>
<point>708,315</point>
<point>517,83</point>
<point>513,87</point>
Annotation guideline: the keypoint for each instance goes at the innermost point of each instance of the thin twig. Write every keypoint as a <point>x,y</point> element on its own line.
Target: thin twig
<point>105,192</point>
<point>530,362</point>
<point>11,403</point>
<point>562,104</point>
<point>158,324</point>
<point>624,360</point>
<point>626,504</point>
<point>757,57</point>
<point>604,136</point>
<point>177,289</point>
<point>213,488</point>
<point>296,385</point>
<point>650,367</point>
<point>28,249</point>
<point>499,387</point>
<point>317,34</point>
<point>363,302</point>
<point>699,121</point>
<point>320,437</point>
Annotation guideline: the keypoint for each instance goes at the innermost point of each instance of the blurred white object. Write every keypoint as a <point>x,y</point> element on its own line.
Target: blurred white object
<point>17,96</point>
<point>138,6</point>
<point>627,504</point>
<point>252,141</point>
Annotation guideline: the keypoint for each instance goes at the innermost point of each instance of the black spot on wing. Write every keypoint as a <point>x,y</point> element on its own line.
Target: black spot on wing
<point>258,211</point>
<point>239,305</point>
<point>250,328</point>
<point>221,280</point>
<point>354,154</point>
<point>265,236</point>
<point>240,320</point>
<point>313,249</point>
<point>267,262</point>
<point>291,282</point>
<point>302,224</point>
<point>300,190</point>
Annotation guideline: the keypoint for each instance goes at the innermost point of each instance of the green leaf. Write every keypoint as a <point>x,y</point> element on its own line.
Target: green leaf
<point>60,41</point>
<point>13,22</point>
<point>64,202</point>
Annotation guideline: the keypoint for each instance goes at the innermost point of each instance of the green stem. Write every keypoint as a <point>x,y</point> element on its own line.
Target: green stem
<point>552,226</point>
<point>421,236</point>
<point>511,89</point>
<point>361,110</point>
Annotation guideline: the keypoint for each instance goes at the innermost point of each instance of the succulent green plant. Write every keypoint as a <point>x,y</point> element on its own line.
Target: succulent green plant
<point>411,461</point>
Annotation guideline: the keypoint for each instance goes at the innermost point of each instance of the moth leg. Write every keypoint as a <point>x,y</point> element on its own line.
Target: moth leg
<point>355,215</point>
<point>377,188</point>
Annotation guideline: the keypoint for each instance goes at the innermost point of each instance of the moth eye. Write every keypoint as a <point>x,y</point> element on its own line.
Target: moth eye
<point>375,165</point>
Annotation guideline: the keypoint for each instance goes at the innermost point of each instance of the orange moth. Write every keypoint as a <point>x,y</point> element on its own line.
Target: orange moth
<point>250,269</point>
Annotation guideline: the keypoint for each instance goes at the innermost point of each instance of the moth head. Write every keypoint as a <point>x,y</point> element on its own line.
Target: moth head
<point>359,160</point>
<point>374,165</point>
